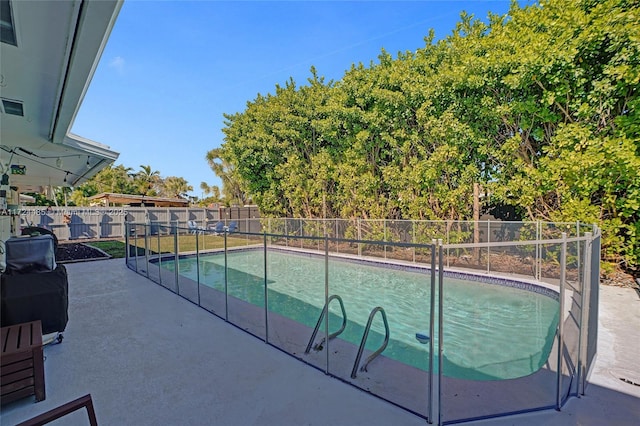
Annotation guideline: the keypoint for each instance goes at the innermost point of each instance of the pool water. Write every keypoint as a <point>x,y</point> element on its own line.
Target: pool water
<point>490,332</point>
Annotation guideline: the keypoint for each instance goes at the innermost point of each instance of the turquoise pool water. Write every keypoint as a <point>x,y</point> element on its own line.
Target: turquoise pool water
<point>490,332</point>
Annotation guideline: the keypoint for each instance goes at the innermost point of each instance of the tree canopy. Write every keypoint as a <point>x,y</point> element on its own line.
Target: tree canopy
<point>123,180</point>
<point>539,107</point>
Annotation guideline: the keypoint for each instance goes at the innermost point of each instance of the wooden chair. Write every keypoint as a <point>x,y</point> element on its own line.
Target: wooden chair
<point>63,410</point>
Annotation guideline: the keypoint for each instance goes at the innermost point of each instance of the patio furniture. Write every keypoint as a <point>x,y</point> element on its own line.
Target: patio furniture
<point>63,410</point>
<point>21,362</point>
<point>233,227</point>
<point>194,228</point>
<point>218,229</point>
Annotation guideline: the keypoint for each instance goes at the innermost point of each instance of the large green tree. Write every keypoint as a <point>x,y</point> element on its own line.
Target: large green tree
<point>116,179</point>
<point>539,107</point>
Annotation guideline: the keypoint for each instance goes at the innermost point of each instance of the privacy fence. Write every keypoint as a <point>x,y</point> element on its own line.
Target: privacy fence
<point>73,223</point>
<point>453,321</point>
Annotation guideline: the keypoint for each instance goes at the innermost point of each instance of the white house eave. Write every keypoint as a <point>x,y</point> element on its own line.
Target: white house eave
<point>90,147</point>
<point>89,40</point>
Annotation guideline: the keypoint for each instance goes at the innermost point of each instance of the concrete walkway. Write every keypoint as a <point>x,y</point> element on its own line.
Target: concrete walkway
<point>149,357</point>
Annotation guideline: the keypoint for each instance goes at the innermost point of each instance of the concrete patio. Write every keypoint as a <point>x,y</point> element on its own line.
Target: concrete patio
<point>149,357</point>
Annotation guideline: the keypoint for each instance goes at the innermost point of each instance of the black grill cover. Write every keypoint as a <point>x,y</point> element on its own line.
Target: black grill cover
<point>38,296</point>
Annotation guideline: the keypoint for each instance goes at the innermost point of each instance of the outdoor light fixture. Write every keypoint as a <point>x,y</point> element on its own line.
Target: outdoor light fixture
<point>88,165</point>
<point>65,177</point>
<point>59,162</point>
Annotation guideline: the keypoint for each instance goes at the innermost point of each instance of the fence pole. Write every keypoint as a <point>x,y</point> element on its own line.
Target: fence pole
<point>266,299</point>
<point>147,229</point>
<point>326,300</point>
<point>359,238</point>
<point>177,261</point>
<point>226,280</point>
<point>413,241</point>
<point>440,326</point>
<point>563,277</point>
<point>584,320</point>
<point>432,314</point>
<point>135,243</point>
<point>448,241</point>
<point>538,252</point>
<point>578,248</point>
<point>384,236</point>
<point>159,257</point>
<point>488,246</point>
<point>126,243</point>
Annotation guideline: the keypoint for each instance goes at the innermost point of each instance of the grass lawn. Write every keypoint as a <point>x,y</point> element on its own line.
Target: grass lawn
<point>117,249</point>
<point>114,248</point>
<point>188,243</point>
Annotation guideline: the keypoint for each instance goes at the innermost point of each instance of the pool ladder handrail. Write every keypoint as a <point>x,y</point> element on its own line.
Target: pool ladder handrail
<point>322,314</point>
<point>364,341</point>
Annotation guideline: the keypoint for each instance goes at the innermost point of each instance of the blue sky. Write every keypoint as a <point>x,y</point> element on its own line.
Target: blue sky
<point>171,69</point>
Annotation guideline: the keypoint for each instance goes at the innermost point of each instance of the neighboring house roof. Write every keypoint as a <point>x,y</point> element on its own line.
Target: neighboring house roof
<point>24,198</point>
<point>50,51</point>
<point>112,198</point>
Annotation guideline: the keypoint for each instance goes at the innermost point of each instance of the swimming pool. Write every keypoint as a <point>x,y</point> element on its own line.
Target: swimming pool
<point>490,331</point>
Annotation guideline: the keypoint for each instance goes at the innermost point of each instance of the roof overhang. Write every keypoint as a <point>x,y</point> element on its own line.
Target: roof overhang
<point>110,197</point>
<point>58,47</point>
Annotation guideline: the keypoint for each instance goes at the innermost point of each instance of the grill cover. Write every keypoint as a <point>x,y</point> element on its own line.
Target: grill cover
<point>30,254</point>
<point>40,296</point>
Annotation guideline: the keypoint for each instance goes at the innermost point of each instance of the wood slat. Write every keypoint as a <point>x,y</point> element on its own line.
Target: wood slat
<point>26,335</point>
<point>18,375</point>
<point>16,357</point>
<point>16,366</point>
<point>19,394</point>
<point>5,332</point>
<point>15,386</point>
<point>38,373</point>
<point>36,333</point>
<point>12,340</point>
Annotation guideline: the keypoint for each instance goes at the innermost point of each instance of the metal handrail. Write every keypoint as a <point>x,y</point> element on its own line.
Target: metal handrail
<point>318,347</point>
<point>364,340</point>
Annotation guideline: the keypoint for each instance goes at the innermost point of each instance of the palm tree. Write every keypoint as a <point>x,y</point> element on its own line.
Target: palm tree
<point>206,189</point>
<point>147,179</point>
<point>231,185</point>
<point>174,186</point>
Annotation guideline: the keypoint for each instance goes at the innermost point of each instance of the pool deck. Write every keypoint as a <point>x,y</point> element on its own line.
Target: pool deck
<point>149,357</point>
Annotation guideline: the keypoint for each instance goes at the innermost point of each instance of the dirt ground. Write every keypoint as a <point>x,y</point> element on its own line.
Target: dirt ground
<point>67,252</point>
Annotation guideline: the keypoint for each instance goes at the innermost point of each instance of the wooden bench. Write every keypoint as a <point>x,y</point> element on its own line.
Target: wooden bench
<point>21,362</point>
